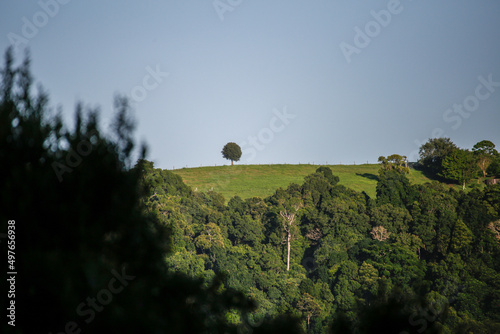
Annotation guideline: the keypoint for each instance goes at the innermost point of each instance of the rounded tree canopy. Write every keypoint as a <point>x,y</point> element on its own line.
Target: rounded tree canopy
<point>231,151</point>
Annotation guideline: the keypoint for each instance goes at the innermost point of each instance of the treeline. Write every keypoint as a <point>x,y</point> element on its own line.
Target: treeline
<point>418,257</point>
<point>442,159</point>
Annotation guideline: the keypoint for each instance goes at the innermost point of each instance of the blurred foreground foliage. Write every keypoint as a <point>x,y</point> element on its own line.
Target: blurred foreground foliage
<point>89,257</point>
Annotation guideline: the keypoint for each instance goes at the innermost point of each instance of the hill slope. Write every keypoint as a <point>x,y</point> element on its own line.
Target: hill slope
<point>262,180</point>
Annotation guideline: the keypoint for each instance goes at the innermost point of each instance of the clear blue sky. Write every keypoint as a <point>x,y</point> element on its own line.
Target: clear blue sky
<point>289,81</point>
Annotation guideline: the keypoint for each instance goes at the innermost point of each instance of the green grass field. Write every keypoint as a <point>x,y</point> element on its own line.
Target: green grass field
<point>262,180</point>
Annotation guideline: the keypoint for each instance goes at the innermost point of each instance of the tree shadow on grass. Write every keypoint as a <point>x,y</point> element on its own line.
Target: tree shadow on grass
<point>431,175</point>
<point>368,176</point>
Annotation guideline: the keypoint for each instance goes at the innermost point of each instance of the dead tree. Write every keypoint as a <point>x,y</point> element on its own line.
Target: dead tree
<point>380,233</point>
<point>288,223</point>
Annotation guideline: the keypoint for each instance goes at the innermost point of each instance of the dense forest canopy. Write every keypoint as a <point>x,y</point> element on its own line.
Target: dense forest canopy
<point>118,248</point>
<point>427,255</point>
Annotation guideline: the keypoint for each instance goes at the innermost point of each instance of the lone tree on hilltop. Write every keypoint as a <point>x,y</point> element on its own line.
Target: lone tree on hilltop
<point>231,151</point>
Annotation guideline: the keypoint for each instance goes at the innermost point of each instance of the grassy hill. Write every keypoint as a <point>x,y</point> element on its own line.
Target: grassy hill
<point>262,180</point>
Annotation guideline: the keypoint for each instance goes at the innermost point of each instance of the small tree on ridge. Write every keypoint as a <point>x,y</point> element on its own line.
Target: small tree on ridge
<point>231,151</point>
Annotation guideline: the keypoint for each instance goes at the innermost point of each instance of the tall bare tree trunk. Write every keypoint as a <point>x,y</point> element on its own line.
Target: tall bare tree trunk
<point>289,237</point>
<point>288,221</point>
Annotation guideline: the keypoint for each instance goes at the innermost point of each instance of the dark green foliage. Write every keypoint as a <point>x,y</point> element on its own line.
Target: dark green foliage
<point>473,209</point>
<point>327,172</point>
<point>433,153</point>
<point>231,151</point>
<point>316,187</point>
<point>393,187</point>
<point>243,228</point>
<point>161,182</point>
<point>492,198</point>
<point>393,312</point>
<point>494,168</point>
<point>394,219</point>
<point>459,165</point>
<point>396,262</point>
<point>485,153</point>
